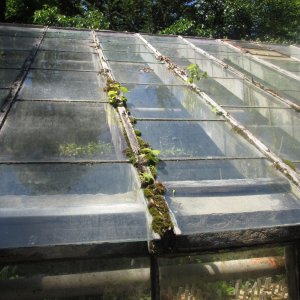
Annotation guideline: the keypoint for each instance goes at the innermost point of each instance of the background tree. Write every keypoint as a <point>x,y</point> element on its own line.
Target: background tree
<point>270,20</point>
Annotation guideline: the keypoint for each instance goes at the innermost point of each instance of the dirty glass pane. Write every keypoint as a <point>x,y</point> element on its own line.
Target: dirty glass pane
<point>7,77</point>
<point>17,43</point>
<point>287,64</point>
<point>224,276</point>
<point>62,85</point>
<point>183,53</point>
<point>163,39</point>
<point>20,31</point>
<point>126,47</point>
<point>195,139</point>
<point>253,205</point>
<point>130,57</point>
<point>120,43</point>
<point>142,73</point>
<point>79,279</point>
<point>122,40</point>
<point>214,170</point>
<point>12,58</point>
<point>44,131</point>
<point>267,116</point>
<point>68,34</point>
<point>62,204</point>
<point>66,61</point>
<point>72,45</point>
<point>64,182</point>
<point>283,140</point>
<point>277,128</point>
<point>161,101</point>
<point>115,35</point>
<point>3,95</point>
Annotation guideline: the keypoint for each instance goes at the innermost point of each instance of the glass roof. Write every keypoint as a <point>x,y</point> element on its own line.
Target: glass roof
<point>64,176</point>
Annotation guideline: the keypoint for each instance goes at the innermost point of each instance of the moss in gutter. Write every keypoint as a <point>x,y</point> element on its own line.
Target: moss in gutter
<point>147,158</point>
<point>290,164</point>
<point>161,222</point>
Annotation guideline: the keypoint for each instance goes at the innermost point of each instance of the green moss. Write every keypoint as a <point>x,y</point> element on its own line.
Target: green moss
<point>148,193</point>
<point>146,179</point>
<point>137,132</point>
<point>132,157</point>
<point>153,170</point>
<point>142,143</point>
<point>132,120</point>
<point>290,164</point>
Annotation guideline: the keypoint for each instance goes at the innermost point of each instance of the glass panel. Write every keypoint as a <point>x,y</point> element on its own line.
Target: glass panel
<point>267,116</point>
<point>85,279</point>
<point>120,40</point>
<point>7,77</point>
<point>12,59</point>
<point>130,57</point>
<point>276,137</point>
<point>143,73</point>
<point>62,85</point>
<point>150,101</point>
<point>114,35</point>
<point>221,276</point>
<point>74,45</point>
<point>17,43</point>
<point>163,39</point>
<point>68,34</point>
<point>214,170</point>
<point>195,139</point>
<point>66,61</point>
<point>63,182</point>
<point>42,131</point>
<point>126,48</point>
<point>3,96</point>
<point>20,31</point>
<point>287,64</point>
<point>61,204</point>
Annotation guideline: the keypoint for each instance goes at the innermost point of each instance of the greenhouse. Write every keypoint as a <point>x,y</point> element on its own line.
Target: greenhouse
<point>137,166</point>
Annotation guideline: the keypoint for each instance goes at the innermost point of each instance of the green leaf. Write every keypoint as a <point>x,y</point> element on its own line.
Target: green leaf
<point>124,89</point>
<point>155,152</point>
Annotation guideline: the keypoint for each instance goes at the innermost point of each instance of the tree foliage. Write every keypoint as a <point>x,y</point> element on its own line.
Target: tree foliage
<point>272,20</point>
<point>92,19</point>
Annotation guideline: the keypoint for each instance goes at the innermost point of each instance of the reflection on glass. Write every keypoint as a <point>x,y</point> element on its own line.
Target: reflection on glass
<point>75,45</point>
<point>3,95</point>
<point>130,57</point>
<point>17,43</point>
<point>12,58</point>
<point>94,279</point>
<point>68,34</point>
<point>61,131</point>
<point>60,204</point>
<point>143,73</point>
<point>253,274</point>
<point>158,101</point>
<point>7,77</point>
<point>195,139</point>
<point>66,61</point>
<point>68,85</point>
<point>20,31</point>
